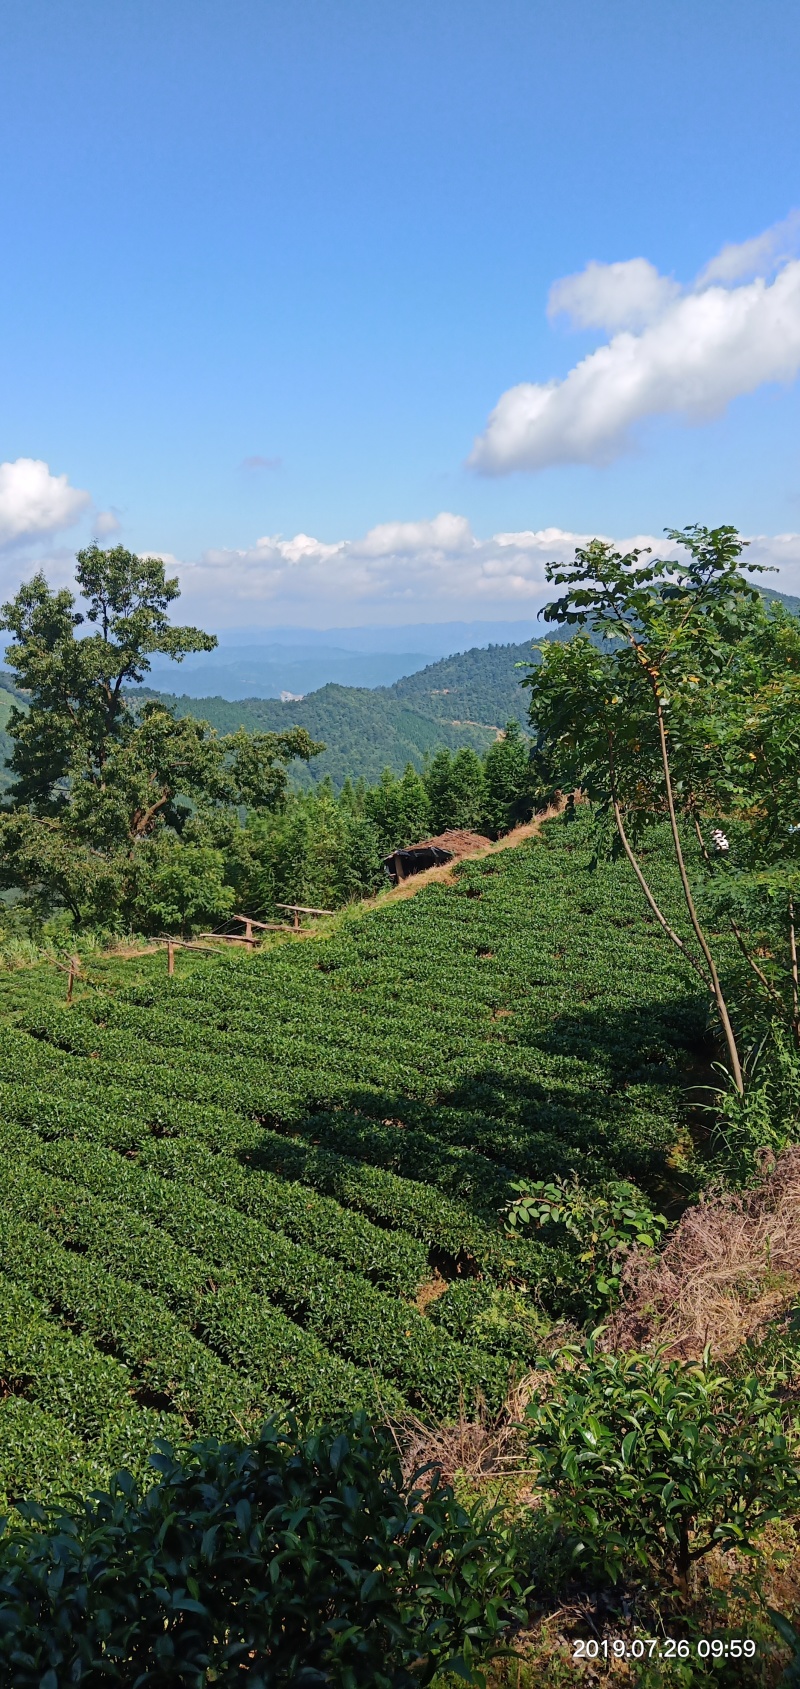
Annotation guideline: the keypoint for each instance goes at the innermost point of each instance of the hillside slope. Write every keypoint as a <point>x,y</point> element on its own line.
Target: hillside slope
<point>480,685</point>
<point>364,731</point>
<point>227,1192</point>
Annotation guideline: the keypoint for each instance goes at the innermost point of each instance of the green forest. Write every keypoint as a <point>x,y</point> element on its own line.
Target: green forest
<point>363,731</point>
<point>413,1298</point>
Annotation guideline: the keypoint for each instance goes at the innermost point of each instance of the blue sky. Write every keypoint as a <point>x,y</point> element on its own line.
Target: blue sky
<point>323,233</point>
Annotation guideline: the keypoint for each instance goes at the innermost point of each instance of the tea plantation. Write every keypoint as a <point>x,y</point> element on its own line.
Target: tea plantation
<point>226,1192</point>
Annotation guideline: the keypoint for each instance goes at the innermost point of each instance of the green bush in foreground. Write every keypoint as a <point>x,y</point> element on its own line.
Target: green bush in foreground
<point>655,1463</point>
<point>297,1562</point>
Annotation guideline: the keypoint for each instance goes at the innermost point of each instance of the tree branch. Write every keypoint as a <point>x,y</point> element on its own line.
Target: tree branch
<point>687,892</point>
<point>141,818</point>
<point>661,918</point>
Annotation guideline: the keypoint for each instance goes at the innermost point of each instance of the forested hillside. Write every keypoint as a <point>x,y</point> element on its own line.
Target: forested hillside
<point>475,686</point>
<point>363,731</point>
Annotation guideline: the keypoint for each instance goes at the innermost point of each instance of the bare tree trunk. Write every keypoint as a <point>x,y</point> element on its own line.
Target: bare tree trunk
<point>661,918</point>
<point>716,988</point>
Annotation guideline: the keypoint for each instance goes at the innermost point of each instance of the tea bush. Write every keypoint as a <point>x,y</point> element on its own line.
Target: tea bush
<point>653,1462</point>
<point>295,1561</point>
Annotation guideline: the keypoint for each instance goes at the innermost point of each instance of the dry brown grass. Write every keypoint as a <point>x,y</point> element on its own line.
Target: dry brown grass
<point>731,1266</point>
<point>481,1450</point>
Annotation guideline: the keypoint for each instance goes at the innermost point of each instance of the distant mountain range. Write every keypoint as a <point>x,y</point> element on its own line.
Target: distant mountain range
<point>268,671</point>
<point>269,663</point>
<point>461,699</point>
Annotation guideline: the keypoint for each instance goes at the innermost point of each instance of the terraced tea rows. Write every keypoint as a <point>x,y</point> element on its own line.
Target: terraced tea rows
<point>225,1192</point>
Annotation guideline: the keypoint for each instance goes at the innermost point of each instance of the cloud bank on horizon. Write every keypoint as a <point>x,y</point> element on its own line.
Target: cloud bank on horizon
<point>679,351</point>
<point>401,571</point>
<point>431,570</point>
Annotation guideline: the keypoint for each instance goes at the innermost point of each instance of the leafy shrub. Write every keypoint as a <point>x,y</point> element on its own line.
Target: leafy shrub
<point>297,1562</point>
<point>658,1463</point>
<point>604,1225</point>
<point>767,1116</point>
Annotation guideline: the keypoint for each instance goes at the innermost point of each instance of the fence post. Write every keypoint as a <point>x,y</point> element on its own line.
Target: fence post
<point>74,969</point>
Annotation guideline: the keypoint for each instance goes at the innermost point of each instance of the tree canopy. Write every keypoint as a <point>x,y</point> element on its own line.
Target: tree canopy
<point>97,776</point>
<point>684,708</point>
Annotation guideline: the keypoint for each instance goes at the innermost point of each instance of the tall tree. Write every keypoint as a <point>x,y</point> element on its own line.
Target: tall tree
<point>96,774</point>
<point>77,705</point>
<point>507,772</point>
<point>655,721</point>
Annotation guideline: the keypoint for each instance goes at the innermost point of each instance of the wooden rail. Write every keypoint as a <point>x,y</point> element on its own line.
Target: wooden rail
<point>298,909</point>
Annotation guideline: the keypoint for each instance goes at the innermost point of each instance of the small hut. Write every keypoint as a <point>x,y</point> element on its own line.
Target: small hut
<point>431,853</point>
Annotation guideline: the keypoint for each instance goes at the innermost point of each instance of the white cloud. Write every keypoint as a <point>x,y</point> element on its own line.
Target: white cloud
<point>613,296</point>
<point>756,257</point>
<point>105,523</point>
<point>34,503</point>
<point>444,536</point>
<point>699,350</point>
<point>301,548</point>
<point>432,570</point>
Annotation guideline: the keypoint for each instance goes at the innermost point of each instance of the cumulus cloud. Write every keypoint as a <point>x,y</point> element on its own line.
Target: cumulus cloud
<point>434,570</point>
<point>696,351</point>
<point>303,548</point>
<point>756,257</point>
<point>444,536</point>
<point>613,296</point>
<point>396,570</point>
<point>34,503</point>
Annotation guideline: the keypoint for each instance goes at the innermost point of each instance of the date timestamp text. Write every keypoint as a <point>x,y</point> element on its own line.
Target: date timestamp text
<point>666,1648</point>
